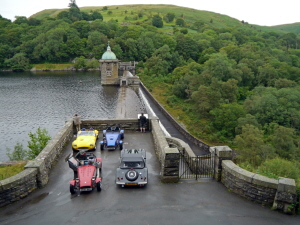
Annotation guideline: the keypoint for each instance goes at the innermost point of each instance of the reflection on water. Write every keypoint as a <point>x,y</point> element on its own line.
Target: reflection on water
<point>46,99</point>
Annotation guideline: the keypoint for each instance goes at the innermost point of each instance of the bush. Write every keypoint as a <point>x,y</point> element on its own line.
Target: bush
<point>37,143</point>
<point>279,167</point>
<point>18,154</point>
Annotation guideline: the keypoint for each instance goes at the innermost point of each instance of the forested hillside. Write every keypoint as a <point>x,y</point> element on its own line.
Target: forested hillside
<point>228,82</point>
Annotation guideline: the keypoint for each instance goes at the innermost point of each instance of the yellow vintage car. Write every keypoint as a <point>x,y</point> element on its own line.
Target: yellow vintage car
<point>85,140</point>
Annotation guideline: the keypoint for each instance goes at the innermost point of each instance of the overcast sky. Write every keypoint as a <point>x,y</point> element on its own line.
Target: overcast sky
<point>260,12</point>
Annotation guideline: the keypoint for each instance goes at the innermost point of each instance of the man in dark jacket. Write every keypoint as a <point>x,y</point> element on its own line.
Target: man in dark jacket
<point>77,121</point>
<point>143,121</point>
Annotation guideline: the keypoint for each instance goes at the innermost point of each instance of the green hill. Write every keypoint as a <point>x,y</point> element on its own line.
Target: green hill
<point>293,28</point>
<point>130,13</point>
<point>119,12</point>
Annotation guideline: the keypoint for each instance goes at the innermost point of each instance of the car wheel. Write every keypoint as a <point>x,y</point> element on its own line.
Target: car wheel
<point>72,189</point>
<point>99,186</point>
<point>131,175</point>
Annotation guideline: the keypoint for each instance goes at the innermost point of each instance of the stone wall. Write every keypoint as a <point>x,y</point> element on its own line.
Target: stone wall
<point>280,194</point>
<point>44,161</point>
<point>205,147</point>
<point>17,187</point>
<point>35,174</point>
<point>167,156</point>
<point>102,124</point>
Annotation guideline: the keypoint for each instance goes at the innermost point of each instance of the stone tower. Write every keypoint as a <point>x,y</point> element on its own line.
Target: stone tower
<point>109,65</point>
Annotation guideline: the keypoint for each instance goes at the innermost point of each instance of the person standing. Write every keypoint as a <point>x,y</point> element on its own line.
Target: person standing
<point>77,121</point>
<point>143,121</point>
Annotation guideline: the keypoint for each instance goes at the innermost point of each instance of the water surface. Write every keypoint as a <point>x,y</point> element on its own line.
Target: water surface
<point>30,100</point>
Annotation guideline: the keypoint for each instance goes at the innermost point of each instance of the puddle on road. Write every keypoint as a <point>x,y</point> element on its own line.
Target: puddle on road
<point>35,200</point>
<point>39,198</point>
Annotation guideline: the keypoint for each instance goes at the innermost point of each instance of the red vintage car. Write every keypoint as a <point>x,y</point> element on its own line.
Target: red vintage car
<point>87,172</point>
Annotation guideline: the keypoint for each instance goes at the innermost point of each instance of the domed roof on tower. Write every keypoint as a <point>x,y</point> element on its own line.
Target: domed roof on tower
<point>108,54</point>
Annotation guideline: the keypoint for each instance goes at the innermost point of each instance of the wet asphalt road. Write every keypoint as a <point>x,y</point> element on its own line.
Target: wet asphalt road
<point>188,202</point>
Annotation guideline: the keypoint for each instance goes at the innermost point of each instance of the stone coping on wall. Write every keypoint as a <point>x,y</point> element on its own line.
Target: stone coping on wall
<point>280,194</point>
<point>247,176</point>
<point>182,146</point>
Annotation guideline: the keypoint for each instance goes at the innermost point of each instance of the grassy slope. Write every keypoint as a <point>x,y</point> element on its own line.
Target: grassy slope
<point>294,28</point>
<point>9,171</point>
<point>190,15</point>
<point>118,13</point>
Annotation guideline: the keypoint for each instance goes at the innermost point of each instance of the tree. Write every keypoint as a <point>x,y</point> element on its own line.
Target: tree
<point>187,47</point>
<point>225,118</point>
<point>80,63</point>
<point>21,19</point>
<point>290,40</point>
<point>169,17</point>
<point>230,91</point>
<point>180,22</point>
<point>219,66</point>
<point>75,47</point>
<point>19,62</point>
<point>243,121</point>
<point>206,99</point>
<point>284,142</point>
<point>34,22</point>
<point>159,63</point>
<point>184,31</point>
<point>86,16</point>
<point>251,147</point>
<point>100,26</point>
<point>96,15</point>
<point>18,154</point>
<point>96,38</point>
<point>82,27</point>
<point>157,21</point>
<point>74,11</point>
<point>63,15</point>
<point>37,143</point>
<point>198,24</point>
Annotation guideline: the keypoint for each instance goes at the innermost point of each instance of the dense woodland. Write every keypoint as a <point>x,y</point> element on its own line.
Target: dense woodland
<point>231,85</point>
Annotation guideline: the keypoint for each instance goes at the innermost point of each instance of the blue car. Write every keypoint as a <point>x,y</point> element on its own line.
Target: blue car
<point>112,138</point>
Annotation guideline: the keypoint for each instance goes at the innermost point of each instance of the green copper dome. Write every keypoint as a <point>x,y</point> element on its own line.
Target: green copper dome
<point>108,54</point>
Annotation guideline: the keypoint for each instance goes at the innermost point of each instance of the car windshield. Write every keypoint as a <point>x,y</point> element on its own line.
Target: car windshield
<point>86,133</point>
<point>136,165</point>
<point>113,128</point>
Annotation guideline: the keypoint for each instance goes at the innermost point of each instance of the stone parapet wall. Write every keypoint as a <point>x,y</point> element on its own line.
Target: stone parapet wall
<point>102,124</point>
<point>44,161</point>
<point>167,156</point>
<point>159,139</point>
<point>182,146</point>
<point>17,187</point>
<point>35,174</point>
<point>280,194</point>
<point>205,147</point>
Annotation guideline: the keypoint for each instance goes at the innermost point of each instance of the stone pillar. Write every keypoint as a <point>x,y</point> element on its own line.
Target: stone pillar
<point>170,167</point>
<point>285,198</point>
<point>221,153</point>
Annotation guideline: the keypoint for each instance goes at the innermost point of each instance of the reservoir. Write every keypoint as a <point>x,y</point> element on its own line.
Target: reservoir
<point>29,100</point>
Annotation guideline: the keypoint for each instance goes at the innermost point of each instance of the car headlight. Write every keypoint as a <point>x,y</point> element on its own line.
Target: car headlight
<point>74,145</point>
<point>91,145</point>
